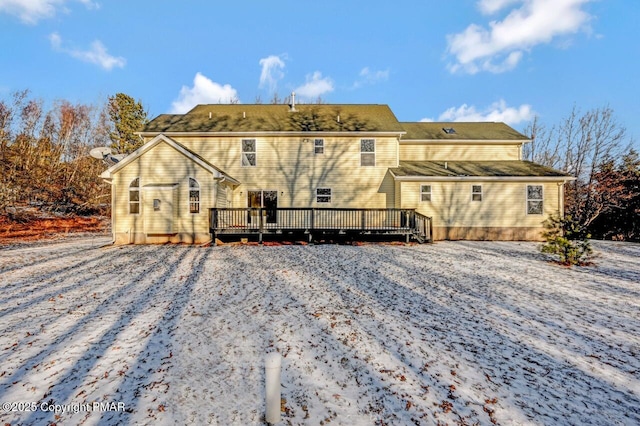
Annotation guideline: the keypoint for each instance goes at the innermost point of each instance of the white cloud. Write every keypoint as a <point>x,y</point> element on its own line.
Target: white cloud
<point>31,11</point>
<point>272,67</point>
<point>315,86</point>
<point>204,91</point>
<point>97,54</point>
<point>498,111</point>
<point>368,77</point>
<point>56,41</point>
<point>500,47</point>
<point>492,6</point>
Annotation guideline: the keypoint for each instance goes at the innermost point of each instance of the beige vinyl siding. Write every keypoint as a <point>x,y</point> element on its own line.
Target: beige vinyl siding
<point>289,165</point>
<point>397,194</point>
<point>459,152</point>
<point>162,165</point>
<point>503,203</point>
<point>221,196</point>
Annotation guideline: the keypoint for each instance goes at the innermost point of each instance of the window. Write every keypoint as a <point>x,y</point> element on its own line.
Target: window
<point>249,152</point>
<point>449,130</point>
<point>318,146</point>
<point>476,192</point>
<point>367,152</point>
<point>134,196</point>
<point>534,199</point>
<point>425,192</point>
<point>194,196</point>
<point>323,195</point>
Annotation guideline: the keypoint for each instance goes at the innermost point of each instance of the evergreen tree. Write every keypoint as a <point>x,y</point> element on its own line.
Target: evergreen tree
<point>568,239</point>
<point>128,117</point>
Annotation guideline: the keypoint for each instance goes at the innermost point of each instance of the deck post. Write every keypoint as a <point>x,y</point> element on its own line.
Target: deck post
<point>260,225</point>
<point>213,225</point>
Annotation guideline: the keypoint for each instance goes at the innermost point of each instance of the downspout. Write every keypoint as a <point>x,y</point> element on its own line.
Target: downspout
<point>214,204</point>
<point>113,210</point>
<point>217,182</point>
<point>561,198</point>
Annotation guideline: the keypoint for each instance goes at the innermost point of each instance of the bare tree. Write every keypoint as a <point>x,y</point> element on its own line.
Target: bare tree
<point>544,147</point>
<point>44,153</point>
<point>275,99</point>
<point>579,145</point>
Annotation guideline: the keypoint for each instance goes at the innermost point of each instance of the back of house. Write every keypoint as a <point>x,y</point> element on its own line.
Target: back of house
<point>469,178</point>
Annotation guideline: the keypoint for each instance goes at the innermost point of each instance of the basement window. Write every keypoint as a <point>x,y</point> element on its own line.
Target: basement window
<point>425,192</point>
<point>476,192</point>
<point>323,195</point>
<point>134,196</point>
<point>534,199</point>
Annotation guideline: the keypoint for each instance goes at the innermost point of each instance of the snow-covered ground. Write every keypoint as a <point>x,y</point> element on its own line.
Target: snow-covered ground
<point>454,332</point>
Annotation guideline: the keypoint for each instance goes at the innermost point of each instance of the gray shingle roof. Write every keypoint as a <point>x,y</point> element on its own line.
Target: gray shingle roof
<point>278,118</point>
<point>475,168</point>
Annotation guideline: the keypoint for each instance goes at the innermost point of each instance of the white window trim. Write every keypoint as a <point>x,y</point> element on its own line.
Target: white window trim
<point>139,202</point>
<point>194,188</point>
<point>430,192</point>
<point>330,196</point>
<point>242,152</point>
<point>367,152</point>
<point>481,193</point>
<point>315,152</point>
<point>526,195</point>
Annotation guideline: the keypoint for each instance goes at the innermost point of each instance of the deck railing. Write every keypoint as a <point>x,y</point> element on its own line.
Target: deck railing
<point>266,220</point>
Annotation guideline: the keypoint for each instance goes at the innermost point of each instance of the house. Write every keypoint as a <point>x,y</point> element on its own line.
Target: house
<point>266,161</point>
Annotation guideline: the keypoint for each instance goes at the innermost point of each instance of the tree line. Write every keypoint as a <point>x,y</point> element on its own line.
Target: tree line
<point>594,147</point>
<point>44,152</point>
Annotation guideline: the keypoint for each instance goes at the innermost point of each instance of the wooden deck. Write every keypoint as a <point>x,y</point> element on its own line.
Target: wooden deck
<point>317,222</point>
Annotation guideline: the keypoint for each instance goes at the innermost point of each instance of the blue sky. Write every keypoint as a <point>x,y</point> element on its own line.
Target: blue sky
<point>497,60</point>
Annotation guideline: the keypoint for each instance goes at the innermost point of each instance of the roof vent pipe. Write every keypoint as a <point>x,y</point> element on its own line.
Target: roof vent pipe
<point>338,118</point>
<point>293,101</point>
<point>244,114</point>
<point>446,165</point>
<point>209,114</point>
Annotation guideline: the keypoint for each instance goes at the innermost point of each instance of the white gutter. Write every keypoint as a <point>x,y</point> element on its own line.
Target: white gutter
<point>482,178</point>
<point>462,141</point>
<point>279,133</point>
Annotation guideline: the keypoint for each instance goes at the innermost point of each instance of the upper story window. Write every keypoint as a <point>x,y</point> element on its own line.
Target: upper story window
<point>367,152</point>
<point>134,196</point>
<point>476,192</point>
<point>249,152</point>
<point>425,192</point>
<point>194,196</point>
<point>534,199</point>
<point>318,146</point>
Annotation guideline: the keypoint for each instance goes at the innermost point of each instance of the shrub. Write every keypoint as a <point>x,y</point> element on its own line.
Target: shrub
<point>568,239</point>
